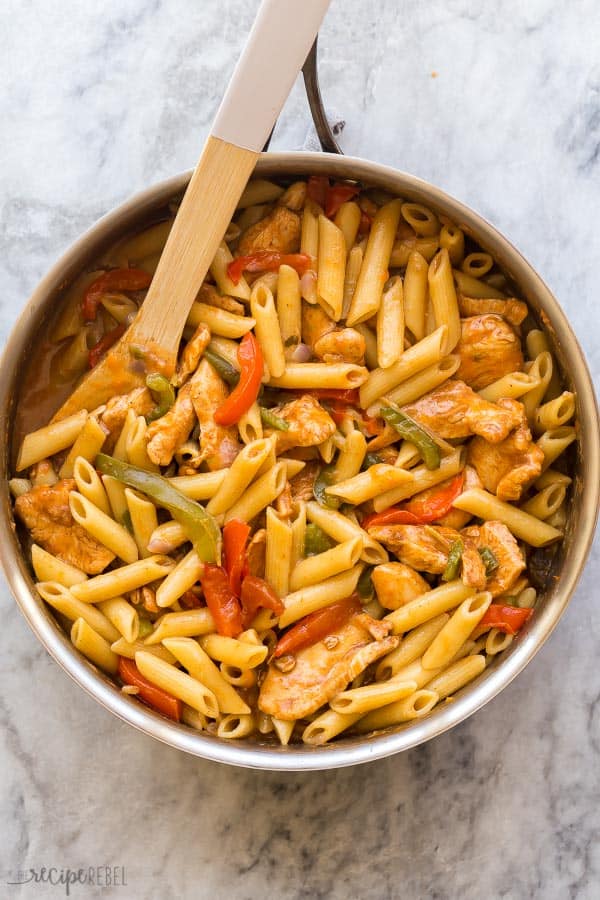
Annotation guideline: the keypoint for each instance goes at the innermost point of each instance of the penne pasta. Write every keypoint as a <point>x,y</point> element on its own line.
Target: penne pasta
<point>523,525</point>
<point>373,273</point>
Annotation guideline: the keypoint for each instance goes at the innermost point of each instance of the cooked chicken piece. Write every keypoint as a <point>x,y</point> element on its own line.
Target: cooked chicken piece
<point>45,512</point>
<point>454,411</point>
<point>294,196</point>
<point>218,445</point>
<point>341,345</point>
<point>456,518</point>
<point>191,355</point>
<point>310,424</point>
<point>488,348</point>
<point>140,400</point>
<point>395,584</point>
<point>255,554</point>
<point>425,548</point>
<point>507,468</point>
<point>280,230</point>
<point>303,483</point>
<point>514,311</point>
<point>209,294</point>
<point>319,674</point>
<point>167,434</point>
<point>315,323</point>
<point>500,541</point>
<point>283,503</point>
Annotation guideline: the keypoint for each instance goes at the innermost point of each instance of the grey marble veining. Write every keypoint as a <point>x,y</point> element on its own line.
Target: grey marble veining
<point>500,105</point>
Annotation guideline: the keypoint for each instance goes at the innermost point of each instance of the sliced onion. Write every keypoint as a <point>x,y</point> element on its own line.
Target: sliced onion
<point>301,353</point>
<point>308,286</point>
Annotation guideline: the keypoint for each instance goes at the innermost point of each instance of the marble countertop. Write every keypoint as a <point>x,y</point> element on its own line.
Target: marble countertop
<point>499,104</point>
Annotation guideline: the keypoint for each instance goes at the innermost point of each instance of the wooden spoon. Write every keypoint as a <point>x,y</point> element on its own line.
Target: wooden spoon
<point>277,46</point>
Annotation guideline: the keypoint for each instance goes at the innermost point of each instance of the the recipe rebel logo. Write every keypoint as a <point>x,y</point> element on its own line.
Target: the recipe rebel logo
<point>91,876</point>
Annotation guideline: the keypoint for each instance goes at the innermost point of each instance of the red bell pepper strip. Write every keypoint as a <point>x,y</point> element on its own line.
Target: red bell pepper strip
<point>316,189</point>
<point>338,194</point>
<point>246,390</point>
<point>350,396</point>
<point>267,261</point>
<point>104,344</point>
<point>224,606</point>
<point>317,625</point>
<point>114,280</point>
<point>235,538</point>
<point>420,510</point>
<point>258,594</point>
<point>508,619</point>
<point>154,696</point>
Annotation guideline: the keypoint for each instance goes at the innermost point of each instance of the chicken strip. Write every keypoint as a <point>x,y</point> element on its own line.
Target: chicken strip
<point>191,355</point>
<point>457,518</point>
<point>45,512</point>
<point>514,311</point>
<point>140,400</point>
<point>309,423</point>
<point>280,230</point>
<point>488,348</point>
<point>218,445</point>
<point>426,547</point>
<point>454,411</point>
<point>327,340</point>
<point>209,294</point>
<point>395,584</point>
<point>503,545</point>
<point>315,323</point>
<point>256,553</point>
<point>294,196</point>
<point>320,673</point>
<point>167,434</point>
<point>302,484</point>
<point>508,467</point>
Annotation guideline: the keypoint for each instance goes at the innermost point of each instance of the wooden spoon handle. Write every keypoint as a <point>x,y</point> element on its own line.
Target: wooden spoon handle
<point>277,46</point>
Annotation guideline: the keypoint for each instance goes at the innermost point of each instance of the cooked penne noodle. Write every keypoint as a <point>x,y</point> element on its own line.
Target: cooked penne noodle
<point>220,322</point>
<point>475,287</point>
<point>218,270</point>
<point>259,190</point>
<point>427,247</point>
<point>350,457</point>
<point>120,449</point>
<point>278,553</point>
<point>455,632</point>
<point>202,486</point>
<point>373,273</point>
<point>423,382</point>
<point>554,443</point>
<point>320,375</point>
<point>537,342</point>
<point>523,525</point>
<point>87,445</point>
<point>250,425</point>
<point>327,726</point>
<point>456,676</point>
<point>201,667</point>
<point>416,294</point>
<point>341,528</point>
<point>177,683</point>
<point>289,309</point>
<point>374,481</point>
<point>119,306</point>
<point>298,526</point>
<point>421,219</point>
<point>167,537</point>
<point>115,491</point>
<point>443,299</point>
<point>235,726</point>
<point>309,238</point>
<point>555,412</point>
<point>315,569</point>
<point>283,730</point>
<point>497,641</point>
<point>49,568</point>
<point>429,605</point>
<point>354,263</point>
<point>51,439</point>
<point>183,623</point>
<point>370,344</point>
<point>237,478</point>
<point>347,220</point>
<point>90,485</point>
<point>551,476</point>
<point>121,581</point>
<point>422,478</point>
<point>371,696</point>
<point>327,449</point>
<point>103,528</point>
<point>62,600</point>
<point>144,520</point>
<point>259,495</point>
<point>123,616</point>
<point>179,580</point>
<point>453,240</point>
<point>513,386</point>
<point>477,264</point>
<point>332,268</point>
<point>418,357</point>
<point>123,648</point>
<point>242,678</point>
<point>135,446</point>
<point>540,369</point>
<point>234,652</point>
<point>390,324</point>
<point>316,596</point>
<point>545,503</point>
<point>412,647</point>
<point>94,646</point>
<point>416,706</point>
<point>262,306</point>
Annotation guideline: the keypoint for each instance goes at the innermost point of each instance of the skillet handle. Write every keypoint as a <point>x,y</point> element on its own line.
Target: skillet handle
<point>315,102</point>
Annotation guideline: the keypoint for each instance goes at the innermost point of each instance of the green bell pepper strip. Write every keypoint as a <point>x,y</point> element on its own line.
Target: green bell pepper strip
<point>489,559</point>
<point>411,431</point>
<point>371,459</point>
<point>271,420</point>
<point>200,526</point>
<point>316,541</point>
<point>162,388</point>
<point>324,480</point>
<point>454,561</point>
<point>365,585</point>
<point>223,368</point>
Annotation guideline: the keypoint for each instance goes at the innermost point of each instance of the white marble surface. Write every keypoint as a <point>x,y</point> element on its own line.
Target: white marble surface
<point>98,100</point>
